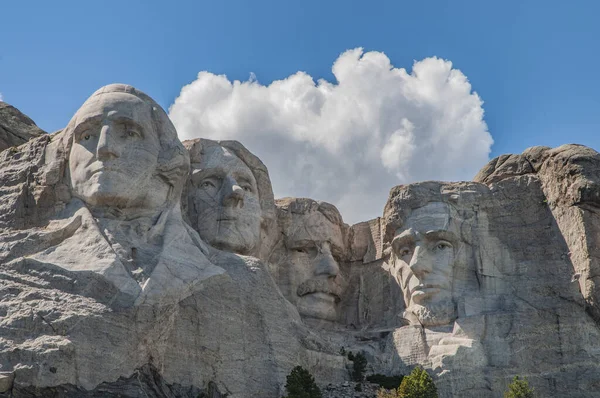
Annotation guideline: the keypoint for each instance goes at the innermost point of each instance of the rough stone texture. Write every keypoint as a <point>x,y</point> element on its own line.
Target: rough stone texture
<point>306,260</point>
<point>106,290</point>
<point>522,242</point>
<point>145,382</point>
<point>100,280</point>
<point>229,199</point>
<point>349,390</point>
<point>15,127</point>
<point>518,310</point>
<point>570,177</point>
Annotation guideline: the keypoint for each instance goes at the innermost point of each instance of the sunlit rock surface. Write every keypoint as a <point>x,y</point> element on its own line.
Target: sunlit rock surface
<point>15,127</point>
<point>111,286</point>
<point>100,275</point>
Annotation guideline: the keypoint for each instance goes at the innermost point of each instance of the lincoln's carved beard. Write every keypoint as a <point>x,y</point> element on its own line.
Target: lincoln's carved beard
<point>434,314</point>
<point>429,308</point>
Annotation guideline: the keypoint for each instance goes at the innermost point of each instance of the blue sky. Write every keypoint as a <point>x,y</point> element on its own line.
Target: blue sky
<point>533,63</point>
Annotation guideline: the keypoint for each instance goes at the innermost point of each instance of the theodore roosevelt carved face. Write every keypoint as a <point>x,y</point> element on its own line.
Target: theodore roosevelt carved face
<point>423,252</point>
<point>309,274</point>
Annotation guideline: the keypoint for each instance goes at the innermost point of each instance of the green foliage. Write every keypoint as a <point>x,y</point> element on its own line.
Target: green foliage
<point>418,384</point>
<point>359,366</point>
<point>301,384</point>
<point>519,388</point>
<point>389,382</point>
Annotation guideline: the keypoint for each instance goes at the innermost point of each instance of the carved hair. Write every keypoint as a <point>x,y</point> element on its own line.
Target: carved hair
<point>305,205</point>
<point>259,170</point>
<point>268,233</point>
<point>173,161</point>
<point>287,207</point>
<point>404,199</point>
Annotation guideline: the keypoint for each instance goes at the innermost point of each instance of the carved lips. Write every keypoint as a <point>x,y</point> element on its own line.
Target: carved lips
<point>327,286</point>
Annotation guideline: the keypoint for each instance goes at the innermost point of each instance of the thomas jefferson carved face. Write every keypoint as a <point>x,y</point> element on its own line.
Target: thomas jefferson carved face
<point>424,254</point>
<point>309,277</point>
<point>114,156</point>
<point>226,200</point>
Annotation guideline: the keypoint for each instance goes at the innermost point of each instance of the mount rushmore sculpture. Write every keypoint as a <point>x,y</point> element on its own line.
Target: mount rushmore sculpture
<point>132,264</point>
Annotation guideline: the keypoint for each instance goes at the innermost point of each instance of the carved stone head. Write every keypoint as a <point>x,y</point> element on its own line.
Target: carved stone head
<point>230,199</point>
<point>423,253</point>
<point>431,234</point>
<point>308,267</point>
<point>125,152</point>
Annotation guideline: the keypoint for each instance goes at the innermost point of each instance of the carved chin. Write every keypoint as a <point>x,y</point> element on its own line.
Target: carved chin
<point>106,194</point>
<point>100,194</point>
<point>434,314</point>
<point>229,236</point>
<point>230,243</point>
<point>318,306</point>
<point>108,188</point>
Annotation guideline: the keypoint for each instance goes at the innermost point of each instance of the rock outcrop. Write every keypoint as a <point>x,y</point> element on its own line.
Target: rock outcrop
<point>570,178</point>
<point>15,127</point>
<point>100,276</point>
<point>128,270</point>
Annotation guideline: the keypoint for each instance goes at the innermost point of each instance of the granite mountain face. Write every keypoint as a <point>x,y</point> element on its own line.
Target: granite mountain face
<point>132,264</point>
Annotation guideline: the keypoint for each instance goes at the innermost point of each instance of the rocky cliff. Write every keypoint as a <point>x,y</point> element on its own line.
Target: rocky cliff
<point>15,127</point>
<point>112,285</point>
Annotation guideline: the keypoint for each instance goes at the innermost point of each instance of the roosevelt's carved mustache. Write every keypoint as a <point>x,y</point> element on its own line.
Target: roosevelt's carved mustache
<point>329,286</point>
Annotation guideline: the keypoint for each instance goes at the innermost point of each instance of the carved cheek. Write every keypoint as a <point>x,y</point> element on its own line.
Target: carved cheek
<point>146,159</point>
<point>79,159</point>
<point>299,268</point>
<point>444,261</point>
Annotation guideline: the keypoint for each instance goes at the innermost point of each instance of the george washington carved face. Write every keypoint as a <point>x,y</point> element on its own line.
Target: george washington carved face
<point>114,154</point>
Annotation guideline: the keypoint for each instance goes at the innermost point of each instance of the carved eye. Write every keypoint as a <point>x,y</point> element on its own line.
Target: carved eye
<point>404,252</point>
<point>305,250</point>
<point>133,133</point>
<point>247,188</point>
<point>443,245</point>
<point>87,137</point>
<point>207,184</point>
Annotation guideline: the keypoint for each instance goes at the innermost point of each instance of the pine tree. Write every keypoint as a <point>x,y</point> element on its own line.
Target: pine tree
<point>359,366</point>
<point>418,384</point>
<point>519,388</point>
<point>300,384</point>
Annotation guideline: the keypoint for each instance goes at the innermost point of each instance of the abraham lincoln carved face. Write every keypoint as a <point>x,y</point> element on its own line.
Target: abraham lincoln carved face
<point>423,252</point>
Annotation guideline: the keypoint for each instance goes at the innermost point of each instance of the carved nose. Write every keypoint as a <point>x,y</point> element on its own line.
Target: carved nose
<point>107,148</point>
<point>325,263</point>
<point>419,263</point>
<point>233,194</point>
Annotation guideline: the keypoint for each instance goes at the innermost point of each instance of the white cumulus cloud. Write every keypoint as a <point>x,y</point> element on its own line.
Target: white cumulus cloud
<point>350,141</point>
<point>1,97</point>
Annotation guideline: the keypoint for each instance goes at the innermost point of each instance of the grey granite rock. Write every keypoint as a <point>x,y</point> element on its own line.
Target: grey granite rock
<point>100,275</point>
<point>15,127</point>
<point>106,289</point>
